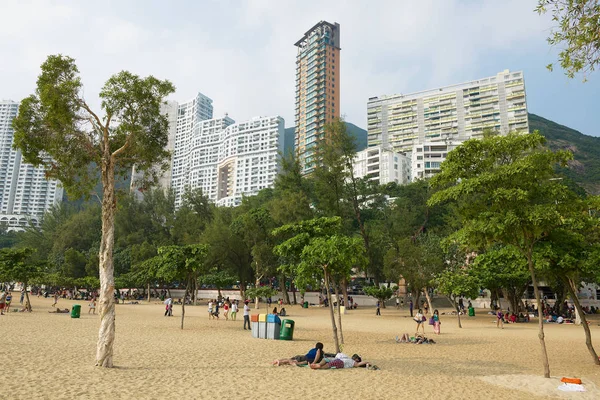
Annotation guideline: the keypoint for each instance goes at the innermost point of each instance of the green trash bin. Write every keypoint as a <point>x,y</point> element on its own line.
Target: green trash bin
<point>287,330</point>
<point>76,311</point>
<point>471,312</point>
<point>305,305</point>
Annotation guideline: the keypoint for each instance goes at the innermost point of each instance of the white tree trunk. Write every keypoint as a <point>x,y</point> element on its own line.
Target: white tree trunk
<point>106,303</point>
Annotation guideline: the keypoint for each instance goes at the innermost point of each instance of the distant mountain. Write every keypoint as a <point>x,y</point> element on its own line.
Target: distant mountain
<point>359,134</point>
<point>584,169</point>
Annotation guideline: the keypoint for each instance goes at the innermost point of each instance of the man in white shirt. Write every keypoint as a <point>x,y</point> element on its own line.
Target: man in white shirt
<point>246,315</point>
<point>169,307</point>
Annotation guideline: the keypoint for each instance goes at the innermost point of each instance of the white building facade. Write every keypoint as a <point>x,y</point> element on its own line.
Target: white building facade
<point>188,118</point>
<point>228,160</point>
<point>25,193</point>
<point>382,165</point>
<point>448,116</point>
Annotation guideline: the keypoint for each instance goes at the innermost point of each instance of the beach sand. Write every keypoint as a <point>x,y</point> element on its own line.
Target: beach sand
<point>52,356</point>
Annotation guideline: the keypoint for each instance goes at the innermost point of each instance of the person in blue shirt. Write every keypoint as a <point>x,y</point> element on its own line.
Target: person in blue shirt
<point>314,355</point>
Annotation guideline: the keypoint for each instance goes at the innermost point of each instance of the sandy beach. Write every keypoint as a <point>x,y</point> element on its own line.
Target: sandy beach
<point>52,356</point>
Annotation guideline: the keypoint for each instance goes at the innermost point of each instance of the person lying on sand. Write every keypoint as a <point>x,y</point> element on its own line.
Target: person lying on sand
<point>59,311</point>
<point>314,355</point>
<point>418,339</point>
<point>343,361</point>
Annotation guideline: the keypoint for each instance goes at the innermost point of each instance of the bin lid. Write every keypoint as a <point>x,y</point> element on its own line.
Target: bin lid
<point>262,317</point>
<point>273,318</point>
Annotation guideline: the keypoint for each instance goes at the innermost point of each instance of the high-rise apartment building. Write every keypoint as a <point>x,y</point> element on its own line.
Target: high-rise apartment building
<point>25,193</point>
<point>188,119</point>
<point>453,113</point>
<point>317,87</point>
<point>228,160</point>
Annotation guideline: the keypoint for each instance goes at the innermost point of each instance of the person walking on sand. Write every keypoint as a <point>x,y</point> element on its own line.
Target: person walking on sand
<point>55,299</point>
<point>420,320</point>
<point>210,309</point>
<point>234,308</point>
<point>378,312</point>
<point>169,307</point>
<point>499,318</point>
<point>397,303</point>
<point>436,322</point>
<point>410,307</point>
<point>226,310</point>
<point>92,306</point>
<point>246,315</point>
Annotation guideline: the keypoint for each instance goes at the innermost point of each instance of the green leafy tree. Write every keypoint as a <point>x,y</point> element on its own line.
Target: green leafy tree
<point>382,294</point>
<point>505,193</point>
<point>183,264</point>
<point>578,32</point>
<point>56,128</point>
<point>17,265</point>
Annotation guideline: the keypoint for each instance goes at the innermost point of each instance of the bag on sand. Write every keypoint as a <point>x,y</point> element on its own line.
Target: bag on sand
<point>431,321</point>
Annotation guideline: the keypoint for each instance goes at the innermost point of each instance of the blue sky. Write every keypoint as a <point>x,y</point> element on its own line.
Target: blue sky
<point>241,53</point>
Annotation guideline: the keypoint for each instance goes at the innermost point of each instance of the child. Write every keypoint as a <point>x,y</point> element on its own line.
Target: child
<point>234,308</point>
<point>436,322</point>
<point>92,306</point>
<point>226,310</point>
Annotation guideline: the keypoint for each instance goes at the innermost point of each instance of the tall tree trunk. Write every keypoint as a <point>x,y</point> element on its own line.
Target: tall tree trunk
<point>187,288</point>
<point>148,292</point>
<point>540,316</point>
<point>588,335</point>
<point>195,286</point>
<point>286,295</point>
<point>293,291</point>
<point>27,297</point>
<point>429,301</point>
<point>453,300</point>
<point>256,299</point>
<point>345,293</point>
<point>339,307</point>
<point>106,334</point>
<point>333,326</point>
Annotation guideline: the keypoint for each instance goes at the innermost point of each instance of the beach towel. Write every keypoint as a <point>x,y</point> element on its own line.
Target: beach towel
<point>571,387</point>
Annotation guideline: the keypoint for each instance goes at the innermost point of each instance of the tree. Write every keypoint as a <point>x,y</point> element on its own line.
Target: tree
<point>16,265</point>
<point>456,281</point>
<point>57,129</point>
<point>578,32</point>
<point>183,264</point>
<point>334,256</point>
<point>382,294</point>
<point>505,193</point>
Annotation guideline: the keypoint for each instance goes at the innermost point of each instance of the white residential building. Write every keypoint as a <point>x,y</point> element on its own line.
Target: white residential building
<point>228,160</point>
<point>427,158</point>
<point>189,117</point>
<point>382,165</point>
<point>25,193</point>
<point>448,116</point>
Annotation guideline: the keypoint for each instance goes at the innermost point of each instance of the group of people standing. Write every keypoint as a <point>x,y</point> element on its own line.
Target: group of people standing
<point>230,309</point>
<point>421,318</point>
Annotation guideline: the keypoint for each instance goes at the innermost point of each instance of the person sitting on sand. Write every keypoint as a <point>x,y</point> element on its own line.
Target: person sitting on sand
<point>282,312</point>
<point>59,311</point>
<point>274,311</point>
<point>314,355</point>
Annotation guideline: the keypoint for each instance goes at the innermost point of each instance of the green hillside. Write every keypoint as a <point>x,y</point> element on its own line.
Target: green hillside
<point>359,134</point>
<point>585,168</point>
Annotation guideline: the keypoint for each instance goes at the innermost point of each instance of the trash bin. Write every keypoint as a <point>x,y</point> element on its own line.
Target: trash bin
<point>305,305</point>
<point>273,327</point>
<point>262,326</point>
<point>254,321</point>
<point>287,330</point>
<point>75,311</point>
<point>471,312</point>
